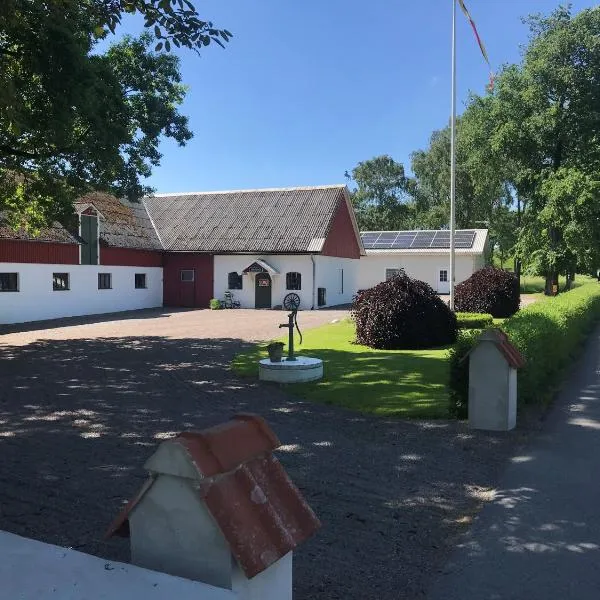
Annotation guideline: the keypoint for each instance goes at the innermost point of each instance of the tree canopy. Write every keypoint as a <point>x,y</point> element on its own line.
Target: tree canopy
<point>381,196</point>
<point>528,153</point>
<point>72,119</point>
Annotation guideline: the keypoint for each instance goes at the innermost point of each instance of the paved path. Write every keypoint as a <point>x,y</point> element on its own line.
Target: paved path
<point>82,407</point>
<point>540,537</point>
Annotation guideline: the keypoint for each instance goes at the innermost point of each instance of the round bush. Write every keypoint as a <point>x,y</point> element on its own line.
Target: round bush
<point>488,290</point>
<point>402,313</point>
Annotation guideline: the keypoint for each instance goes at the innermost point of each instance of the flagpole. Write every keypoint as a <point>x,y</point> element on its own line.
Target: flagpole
<point>453,158</point>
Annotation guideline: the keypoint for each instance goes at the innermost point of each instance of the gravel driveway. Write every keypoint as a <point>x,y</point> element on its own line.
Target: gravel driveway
<point>82,407</point>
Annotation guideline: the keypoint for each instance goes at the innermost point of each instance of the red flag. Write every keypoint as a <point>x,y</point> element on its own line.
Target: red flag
<point>479,41</point>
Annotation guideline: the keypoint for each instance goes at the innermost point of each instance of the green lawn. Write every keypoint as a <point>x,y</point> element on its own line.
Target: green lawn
<point>402,383</point>
<point>536,285</point>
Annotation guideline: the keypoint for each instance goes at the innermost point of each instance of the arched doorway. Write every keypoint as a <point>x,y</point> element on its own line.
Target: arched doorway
<point>263,287</point>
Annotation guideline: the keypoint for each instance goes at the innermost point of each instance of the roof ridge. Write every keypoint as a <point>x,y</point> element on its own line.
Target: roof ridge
<point>246,191</point>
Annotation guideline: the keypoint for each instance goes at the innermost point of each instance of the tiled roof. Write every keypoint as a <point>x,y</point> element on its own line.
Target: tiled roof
<point>56,233</point>
<point>511,354</point>
<point>479,246</point>
<point>285,220</point>
<point>124,224</point>
<point>257,508</point>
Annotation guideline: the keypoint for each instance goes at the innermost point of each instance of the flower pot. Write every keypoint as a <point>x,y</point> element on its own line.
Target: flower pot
<point>275,351</point>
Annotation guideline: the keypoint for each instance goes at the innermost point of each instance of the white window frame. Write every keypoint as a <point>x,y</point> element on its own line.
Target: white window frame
<point>110,287</point>
<point>192,271</point>
<point>65,289</point>
<point>143,287</point>
<point>18,282</point>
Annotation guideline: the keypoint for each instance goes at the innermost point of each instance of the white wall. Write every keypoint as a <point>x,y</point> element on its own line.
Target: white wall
<point>36,299</point>
<point>32,570</point>
<point>424,267</point>
<point>328,275</point>
<point>283,263</point>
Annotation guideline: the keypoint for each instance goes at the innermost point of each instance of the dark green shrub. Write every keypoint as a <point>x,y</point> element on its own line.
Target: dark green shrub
<point>458,395</point>
<point>488,290</point>
<point>474,320</point>
<point>402,313</point>
<point>549,334</point>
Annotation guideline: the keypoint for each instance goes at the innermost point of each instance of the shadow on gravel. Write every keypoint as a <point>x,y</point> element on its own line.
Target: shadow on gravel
<point>79,417</point>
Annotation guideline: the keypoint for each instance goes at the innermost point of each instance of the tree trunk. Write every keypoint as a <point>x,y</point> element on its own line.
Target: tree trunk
<point>569,281</point>
<point>551,288</point>
<point>518,260</point>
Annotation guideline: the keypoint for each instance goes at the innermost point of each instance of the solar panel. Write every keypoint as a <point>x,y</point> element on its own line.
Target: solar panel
<point>404,240</point>
<point>464,239</point>
<point>423,239</point>
<point>416,240</point>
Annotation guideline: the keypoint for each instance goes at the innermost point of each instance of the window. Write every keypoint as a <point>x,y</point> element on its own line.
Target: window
<point>60,282</point>
<point>443,276</point>
<point>104,281</point>
<point>140,281</point>
<point>234,281</point>
<point>341,281</point>
<point>293,281</point>
<point>9,282</point>
<point>389,273</point>
<point>187,274</point>
<point>321,297</point>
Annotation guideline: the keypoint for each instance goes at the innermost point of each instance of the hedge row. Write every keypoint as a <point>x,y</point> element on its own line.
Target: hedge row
<point>548,333</point>
<point>467,320</point>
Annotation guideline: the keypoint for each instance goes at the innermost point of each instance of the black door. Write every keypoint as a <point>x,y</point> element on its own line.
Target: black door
<point>263,291</point>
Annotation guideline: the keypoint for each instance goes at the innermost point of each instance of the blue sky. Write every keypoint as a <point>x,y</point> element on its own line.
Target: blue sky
<point>306,90</point>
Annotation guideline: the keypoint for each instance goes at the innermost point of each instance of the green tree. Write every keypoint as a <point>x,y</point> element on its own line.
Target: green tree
<point>544,119</point>
<point>381,197</point>
<point>479,187</point>
<point>72,119</point>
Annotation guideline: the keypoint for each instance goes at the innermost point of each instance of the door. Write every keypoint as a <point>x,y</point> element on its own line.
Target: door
<point>263,290</point>
<point>187,287</point>
<point>443,282</point>
<point>89,234</point>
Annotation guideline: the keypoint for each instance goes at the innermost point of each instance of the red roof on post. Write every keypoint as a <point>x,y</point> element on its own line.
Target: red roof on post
<point>258,509</point>
<point>511,354</point>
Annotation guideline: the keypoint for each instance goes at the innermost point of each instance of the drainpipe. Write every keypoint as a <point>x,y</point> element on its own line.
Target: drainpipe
<point>314,280</point>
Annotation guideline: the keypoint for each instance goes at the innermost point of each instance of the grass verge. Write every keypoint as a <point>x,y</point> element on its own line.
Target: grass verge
<point>536,285</point>
<point>400,383</point>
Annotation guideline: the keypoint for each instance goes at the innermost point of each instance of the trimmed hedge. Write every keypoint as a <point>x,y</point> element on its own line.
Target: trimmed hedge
<point>489,290</point>
<point>402,313</point>
<point>458,386</point>
<point>548,333</point>
<point>474,320</point>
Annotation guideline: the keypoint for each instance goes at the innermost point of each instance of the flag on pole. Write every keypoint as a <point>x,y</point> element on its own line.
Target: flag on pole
<point>479,41</point>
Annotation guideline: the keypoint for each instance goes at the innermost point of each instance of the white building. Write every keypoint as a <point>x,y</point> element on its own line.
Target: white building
<point>423,255</point>
<point>259,246</point>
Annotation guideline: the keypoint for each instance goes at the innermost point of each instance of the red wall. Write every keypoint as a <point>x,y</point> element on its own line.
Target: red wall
<point>21,251</point>
<point>203,284</point>
<point>128,257</point>
<point>341,240</point>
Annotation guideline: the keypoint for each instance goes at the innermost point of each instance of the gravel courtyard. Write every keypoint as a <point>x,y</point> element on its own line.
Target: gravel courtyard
<point>84,403</point>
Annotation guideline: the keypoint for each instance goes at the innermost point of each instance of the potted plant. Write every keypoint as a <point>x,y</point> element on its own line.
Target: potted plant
<point>275,350</point>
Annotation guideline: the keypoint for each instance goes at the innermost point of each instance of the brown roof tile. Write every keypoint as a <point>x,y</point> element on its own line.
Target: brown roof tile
<point>258,509</point>
<point>512,355</point>
<point>124,224</point>
<point>55,233</point>
<point>286,220</point>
